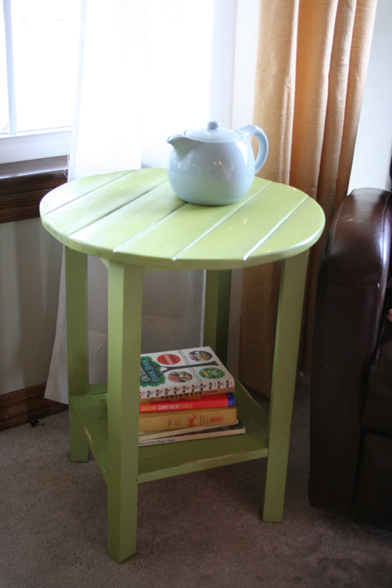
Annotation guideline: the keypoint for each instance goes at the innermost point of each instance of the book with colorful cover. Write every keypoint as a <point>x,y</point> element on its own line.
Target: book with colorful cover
<point>214,401</point>
<point>153,421</point>
<point>188,373</point>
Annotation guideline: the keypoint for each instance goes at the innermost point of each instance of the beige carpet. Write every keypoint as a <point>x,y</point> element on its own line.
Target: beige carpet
<point>197,530</point>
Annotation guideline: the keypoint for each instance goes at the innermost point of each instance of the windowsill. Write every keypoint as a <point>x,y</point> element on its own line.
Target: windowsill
<point>35,166</point>
<point>23,185</point>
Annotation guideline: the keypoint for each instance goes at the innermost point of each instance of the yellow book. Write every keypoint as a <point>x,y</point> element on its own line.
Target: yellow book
<point>149,422</point>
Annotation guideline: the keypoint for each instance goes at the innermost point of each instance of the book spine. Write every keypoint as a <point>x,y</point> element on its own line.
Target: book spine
<point>185,390</point>
<point>173,432</point>
<point>171,395</point>
<point>192,437</point>
<point>149,422</point>
<point>214,401</point>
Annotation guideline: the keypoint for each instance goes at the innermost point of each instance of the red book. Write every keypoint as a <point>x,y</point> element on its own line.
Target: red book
<point>212,401</point>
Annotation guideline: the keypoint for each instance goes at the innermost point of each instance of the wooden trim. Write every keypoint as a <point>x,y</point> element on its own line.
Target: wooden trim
<point>27,405</point>
<point>23,187</point>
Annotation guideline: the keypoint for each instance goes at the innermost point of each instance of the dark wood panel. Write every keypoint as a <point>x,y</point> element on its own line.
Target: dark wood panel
<point>23,187</point>
<point>27,405</point>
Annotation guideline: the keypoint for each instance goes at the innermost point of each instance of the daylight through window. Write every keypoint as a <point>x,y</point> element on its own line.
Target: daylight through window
<point>39,44</point>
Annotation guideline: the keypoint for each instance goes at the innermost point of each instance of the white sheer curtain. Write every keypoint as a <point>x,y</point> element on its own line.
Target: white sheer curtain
<point>148,69</point>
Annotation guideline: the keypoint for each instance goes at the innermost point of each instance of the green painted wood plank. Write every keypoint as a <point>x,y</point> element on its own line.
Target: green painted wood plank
<point>118,227</point>
<point>303,228</point>
<point>288,331</point>
<point>251,225</point>
<point>224,451</point>
<point>77,189</point>
<point>124,336</point>
<point>94,427</point>
<point>77,343</point>
<point>98,388</point>
<point>216,312</point>
<point>103,200</point>
<point>187,226</point>
<point>77,321</point>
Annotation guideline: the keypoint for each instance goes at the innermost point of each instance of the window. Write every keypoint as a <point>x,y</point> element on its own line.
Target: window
<point>39,44</point>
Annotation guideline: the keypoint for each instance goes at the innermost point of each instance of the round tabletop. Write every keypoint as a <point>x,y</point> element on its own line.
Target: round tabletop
<point>134,217</point>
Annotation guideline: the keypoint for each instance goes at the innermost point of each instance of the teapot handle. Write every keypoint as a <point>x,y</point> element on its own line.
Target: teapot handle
<point>261,137</point>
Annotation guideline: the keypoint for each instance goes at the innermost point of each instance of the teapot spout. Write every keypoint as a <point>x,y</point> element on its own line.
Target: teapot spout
<point>181,145</point>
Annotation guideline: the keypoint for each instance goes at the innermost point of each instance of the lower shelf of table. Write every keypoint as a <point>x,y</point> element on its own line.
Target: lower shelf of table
<point>160,461</point>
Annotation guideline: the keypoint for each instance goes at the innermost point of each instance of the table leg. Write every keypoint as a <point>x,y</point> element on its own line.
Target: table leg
<point>77,344</point>
<point>217,309</point>
<point>124,334</point>
<point>288,332</point>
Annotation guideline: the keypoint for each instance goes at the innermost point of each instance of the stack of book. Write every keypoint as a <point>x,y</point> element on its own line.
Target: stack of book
<point>186,394</point>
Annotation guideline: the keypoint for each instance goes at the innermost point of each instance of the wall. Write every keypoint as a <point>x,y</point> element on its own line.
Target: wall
<point>29,277</point>
<point>374,140</point>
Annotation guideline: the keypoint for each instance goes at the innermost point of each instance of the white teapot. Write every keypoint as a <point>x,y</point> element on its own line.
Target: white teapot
<point>214,165</point>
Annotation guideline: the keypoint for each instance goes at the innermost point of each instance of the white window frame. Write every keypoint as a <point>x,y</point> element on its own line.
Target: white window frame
<point>24,146</point>
<point>37,145</point>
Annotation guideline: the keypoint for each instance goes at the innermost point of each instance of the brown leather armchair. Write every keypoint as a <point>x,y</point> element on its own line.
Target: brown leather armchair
<point>351,381</point>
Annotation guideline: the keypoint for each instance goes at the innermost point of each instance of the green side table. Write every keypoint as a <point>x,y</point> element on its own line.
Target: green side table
<point>134,223</point>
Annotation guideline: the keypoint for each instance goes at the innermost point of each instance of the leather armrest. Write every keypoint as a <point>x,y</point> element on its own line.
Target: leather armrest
<point>351,288</point>
<point>360,243</point>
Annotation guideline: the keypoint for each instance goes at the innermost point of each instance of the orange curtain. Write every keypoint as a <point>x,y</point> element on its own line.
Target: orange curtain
<point>311,69</point>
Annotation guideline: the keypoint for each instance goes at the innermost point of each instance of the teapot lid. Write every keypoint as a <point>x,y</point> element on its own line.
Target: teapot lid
<point>213,133</point>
